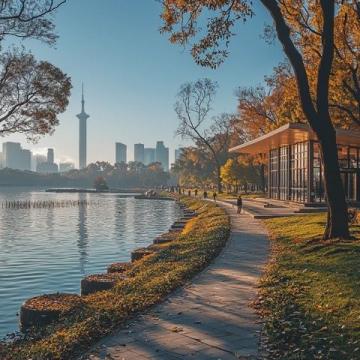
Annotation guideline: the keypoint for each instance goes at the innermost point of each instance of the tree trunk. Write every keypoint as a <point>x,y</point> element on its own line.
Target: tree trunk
<point>318,117</point>
<point>218,179</point>
<point>337,220</point>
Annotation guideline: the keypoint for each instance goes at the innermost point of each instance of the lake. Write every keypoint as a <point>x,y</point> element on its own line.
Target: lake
<point>50,250</point>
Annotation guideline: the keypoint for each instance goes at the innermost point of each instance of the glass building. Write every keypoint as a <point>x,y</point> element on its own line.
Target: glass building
<point>294,165</point>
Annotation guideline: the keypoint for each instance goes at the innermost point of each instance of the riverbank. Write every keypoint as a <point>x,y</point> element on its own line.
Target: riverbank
<point>310,293</point>
<point>149,281</point>
<point>211,317</point>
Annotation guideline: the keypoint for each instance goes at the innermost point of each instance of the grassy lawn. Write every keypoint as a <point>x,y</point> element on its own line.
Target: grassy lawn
<point>253,195</point>
<point>310,293</point>
<point>149,281</point>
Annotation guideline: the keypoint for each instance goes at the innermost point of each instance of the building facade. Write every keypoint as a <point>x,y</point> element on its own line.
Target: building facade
<point>120,153</point>
<point>162,155</point>
<point>139,151</point>
<point>14,157</point>
<point>294,165</point>
<point>49,166</point>
<point>178,153</point>
<point>149,156</point>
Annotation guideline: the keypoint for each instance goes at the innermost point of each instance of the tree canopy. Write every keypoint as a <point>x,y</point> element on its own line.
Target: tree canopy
<point>32,93</point>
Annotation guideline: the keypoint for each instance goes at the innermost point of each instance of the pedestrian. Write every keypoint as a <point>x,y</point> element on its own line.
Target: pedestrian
<point>214,195</point>
<point>239,204</point>
<point>205,194</point>
<point>196,192</point>
<point>189,192</point>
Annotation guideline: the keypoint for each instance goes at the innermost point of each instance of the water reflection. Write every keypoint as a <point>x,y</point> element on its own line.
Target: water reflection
<point>83,236</point>
<point>50,250</point>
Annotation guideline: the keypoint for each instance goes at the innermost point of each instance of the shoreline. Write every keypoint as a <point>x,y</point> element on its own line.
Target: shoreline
<point>144,271</point>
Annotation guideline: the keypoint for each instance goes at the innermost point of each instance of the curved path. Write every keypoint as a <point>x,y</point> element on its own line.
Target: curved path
<point>211,317</point>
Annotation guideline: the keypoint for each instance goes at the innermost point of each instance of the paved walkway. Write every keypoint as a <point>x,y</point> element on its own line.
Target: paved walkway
<point>210,318</point>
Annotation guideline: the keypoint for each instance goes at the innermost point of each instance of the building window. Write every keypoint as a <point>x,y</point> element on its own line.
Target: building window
<point>318,194</point>
<point>284,173</point>
<point>299,172</point>
<point>274,173</point>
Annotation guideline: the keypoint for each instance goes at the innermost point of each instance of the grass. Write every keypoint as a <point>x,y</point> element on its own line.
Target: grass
<point>250,195</point>
<point>310,293</point>
<point>150,281</point>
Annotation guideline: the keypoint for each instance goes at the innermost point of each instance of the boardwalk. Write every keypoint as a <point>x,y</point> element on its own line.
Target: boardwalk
<point>208,319</point>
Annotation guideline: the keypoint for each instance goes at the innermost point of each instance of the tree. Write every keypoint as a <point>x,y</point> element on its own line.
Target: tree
<point>100,184</point>
<point>27,19</point>
<point>181,20</point>
<point>193,106</point>
<point>195,167</point>
<point>32,93</point>
<point>240,171</point>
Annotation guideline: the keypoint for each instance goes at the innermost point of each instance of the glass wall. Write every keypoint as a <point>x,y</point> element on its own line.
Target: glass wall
<point>299,172</point>
<point>317,192</point>
<point>296,172</point>
<point>284,173</point>
<point>274,174</point>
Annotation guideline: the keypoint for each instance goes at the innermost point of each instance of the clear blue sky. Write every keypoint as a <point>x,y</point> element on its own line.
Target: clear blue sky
<point>132,73</point>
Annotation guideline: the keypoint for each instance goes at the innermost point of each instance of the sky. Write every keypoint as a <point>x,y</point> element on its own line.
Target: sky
<point>132,73</point>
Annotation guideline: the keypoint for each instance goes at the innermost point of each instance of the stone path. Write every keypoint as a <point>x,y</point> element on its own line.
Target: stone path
<point>210,318</point>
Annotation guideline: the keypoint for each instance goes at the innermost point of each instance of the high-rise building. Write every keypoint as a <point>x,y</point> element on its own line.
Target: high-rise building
<point>36,160</point>
<point>14,157</point>
<point>120,153</point>
<point>83,116</point>
<point>25,160</point>
<point>48,166</point>
<point>139,153</point>
<point>162,155</point>
<point>149,156</point>
<point>50,156</point>
<point>178,153</point>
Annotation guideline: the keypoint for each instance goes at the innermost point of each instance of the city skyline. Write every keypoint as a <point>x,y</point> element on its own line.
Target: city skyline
<point>46,162</point>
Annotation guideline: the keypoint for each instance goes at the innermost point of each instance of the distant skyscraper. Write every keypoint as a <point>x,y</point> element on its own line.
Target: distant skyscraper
<point>178,153</point>
<point>36,160</point>
<point>139,153</point>
<point>120,153</point>
<point>25,160</point>
<point>149,156</point>
<point>83,116</point>
<point>14,157</point>
<point>162,155</point>
<point>48,166</point>
<point>50,156</point>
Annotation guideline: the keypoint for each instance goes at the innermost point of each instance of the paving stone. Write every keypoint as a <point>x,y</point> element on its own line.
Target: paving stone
<point>210,318</point>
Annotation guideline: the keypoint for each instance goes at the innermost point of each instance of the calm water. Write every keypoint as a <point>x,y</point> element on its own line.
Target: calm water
<point>50,250</point>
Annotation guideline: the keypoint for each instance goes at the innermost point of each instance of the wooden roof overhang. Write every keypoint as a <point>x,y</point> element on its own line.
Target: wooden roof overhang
<point>290,134</point>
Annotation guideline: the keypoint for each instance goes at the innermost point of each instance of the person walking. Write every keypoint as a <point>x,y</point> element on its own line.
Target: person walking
<point>189,192</point>
<point>214,195</point>
<point>196,192</point>
<point>205,194</point>
<point>239,204</point>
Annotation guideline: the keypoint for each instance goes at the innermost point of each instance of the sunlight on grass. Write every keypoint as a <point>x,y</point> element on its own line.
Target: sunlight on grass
<point>310,294</point>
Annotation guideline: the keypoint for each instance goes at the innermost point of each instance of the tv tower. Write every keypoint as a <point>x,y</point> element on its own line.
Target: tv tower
<point>83,116</point>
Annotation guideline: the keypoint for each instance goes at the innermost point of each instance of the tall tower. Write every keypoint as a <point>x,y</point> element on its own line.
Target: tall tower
<point>83,116</point>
